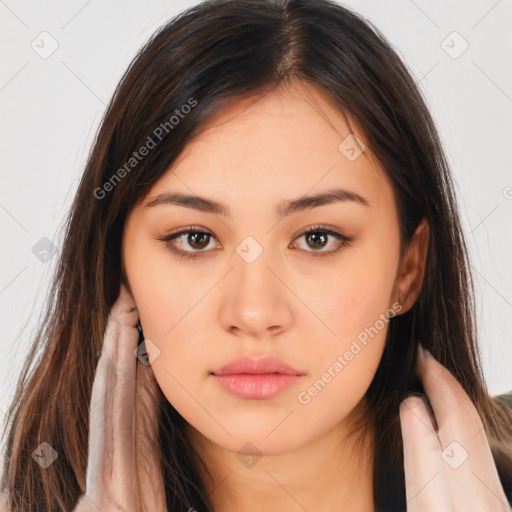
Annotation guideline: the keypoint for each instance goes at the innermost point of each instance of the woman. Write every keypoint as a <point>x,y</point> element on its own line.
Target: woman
<point>288,143</point>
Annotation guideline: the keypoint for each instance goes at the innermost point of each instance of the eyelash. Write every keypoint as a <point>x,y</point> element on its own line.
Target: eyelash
<point>344,241</point>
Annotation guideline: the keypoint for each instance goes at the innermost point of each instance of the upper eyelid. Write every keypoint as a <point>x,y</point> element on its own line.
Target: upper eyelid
<point>197,229</point>
<point>341,238</point>
<point>343,241</point>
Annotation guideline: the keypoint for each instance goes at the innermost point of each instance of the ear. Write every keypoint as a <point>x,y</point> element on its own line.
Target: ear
<point>410,276</point>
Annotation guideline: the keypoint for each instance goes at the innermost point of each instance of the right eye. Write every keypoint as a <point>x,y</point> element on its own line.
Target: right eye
<point>195,238</point>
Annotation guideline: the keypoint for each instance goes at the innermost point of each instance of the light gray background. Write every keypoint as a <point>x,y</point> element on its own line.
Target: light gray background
<point>50,110</point>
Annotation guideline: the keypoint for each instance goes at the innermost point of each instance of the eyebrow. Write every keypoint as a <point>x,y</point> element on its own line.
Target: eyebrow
<point>283,209</point>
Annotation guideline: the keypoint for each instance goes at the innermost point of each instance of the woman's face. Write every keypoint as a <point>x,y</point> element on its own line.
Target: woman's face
<point>256,285</point>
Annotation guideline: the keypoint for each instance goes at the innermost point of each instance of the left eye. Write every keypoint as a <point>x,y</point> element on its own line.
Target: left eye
<point>319,237</point>
<point>316,237</point>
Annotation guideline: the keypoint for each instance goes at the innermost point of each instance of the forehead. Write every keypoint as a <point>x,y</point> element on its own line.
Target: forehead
<point>291,140</point>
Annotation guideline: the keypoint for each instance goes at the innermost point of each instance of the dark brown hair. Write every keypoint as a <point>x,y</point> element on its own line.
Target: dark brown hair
<point>205,58</point>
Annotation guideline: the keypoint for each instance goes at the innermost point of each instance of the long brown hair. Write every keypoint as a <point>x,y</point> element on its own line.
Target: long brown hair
<point>204,58</point>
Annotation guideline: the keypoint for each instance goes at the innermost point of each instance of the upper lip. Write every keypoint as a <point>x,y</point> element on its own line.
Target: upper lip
<point>257,366</point>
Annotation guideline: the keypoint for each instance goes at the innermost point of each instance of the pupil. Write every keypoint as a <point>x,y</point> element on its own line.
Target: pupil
<point>192,238</point>
<point>315,238</point>
<point>200,240</point>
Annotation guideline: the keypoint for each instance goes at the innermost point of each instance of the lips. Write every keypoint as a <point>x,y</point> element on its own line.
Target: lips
<point>262,366</point>
<point>256,379</point>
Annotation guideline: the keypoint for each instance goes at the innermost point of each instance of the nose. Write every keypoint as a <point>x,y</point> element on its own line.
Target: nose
<point>256,300</point>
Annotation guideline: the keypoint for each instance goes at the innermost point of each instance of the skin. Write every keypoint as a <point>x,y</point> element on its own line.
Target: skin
<point>303,307</point>
<point>123,472</point>
<point>202,313</point>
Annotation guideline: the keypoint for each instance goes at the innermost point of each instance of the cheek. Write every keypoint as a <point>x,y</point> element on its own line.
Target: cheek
<point>357,311</point>
<point>181,368</point>
<point>356,305</point>
<point>163,292</point>
<point>168,304</point>
<point>345,364</point>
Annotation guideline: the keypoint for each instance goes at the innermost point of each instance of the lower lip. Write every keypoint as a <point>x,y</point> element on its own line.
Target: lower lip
<point>256,386</point>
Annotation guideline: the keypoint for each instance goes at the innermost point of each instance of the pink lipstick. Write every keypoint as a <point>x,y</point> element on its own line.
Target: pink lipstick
<point>256,378</point>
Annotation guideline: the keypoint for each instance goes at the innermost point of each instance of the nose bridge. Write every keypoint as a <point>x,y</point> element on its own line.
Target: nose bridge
<point>252,268</point>
<point>258,298</point>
